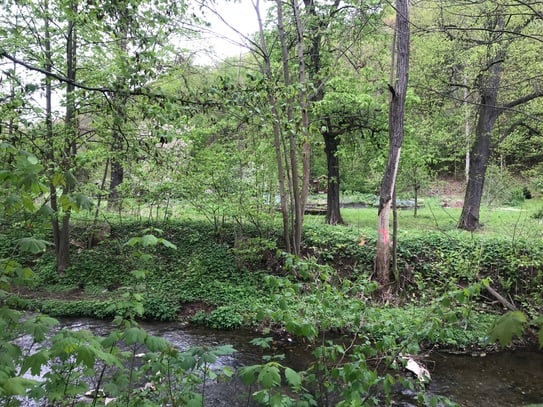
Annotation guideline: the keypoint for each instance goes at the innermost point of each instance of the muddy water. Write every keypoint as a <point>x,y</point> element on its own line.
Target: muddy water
<point>505,379</point>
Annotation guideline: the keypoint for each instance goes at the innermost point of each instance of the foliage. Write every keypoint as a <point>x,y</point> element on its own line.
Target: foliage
<point>342,373</point>
<point>501,188</point>
<point>513,324</point>
<point>223,317</point>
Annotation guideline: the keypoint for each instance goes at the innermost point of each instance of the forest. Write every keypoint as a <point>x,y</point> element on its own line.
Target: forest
<point>359,169</point>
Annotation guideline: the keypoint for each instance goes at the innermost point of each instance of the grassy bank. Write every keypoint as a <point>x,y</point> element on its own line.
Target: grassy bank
<point>230,280</point>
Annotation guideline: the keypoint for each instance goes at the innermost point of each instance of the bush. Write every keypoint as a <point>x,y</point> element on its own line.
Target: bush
<point>225,317</point>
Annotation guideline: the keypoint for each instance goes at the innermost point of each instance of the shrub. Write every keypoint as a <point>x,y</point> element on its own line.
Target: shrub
<point>225,317</point>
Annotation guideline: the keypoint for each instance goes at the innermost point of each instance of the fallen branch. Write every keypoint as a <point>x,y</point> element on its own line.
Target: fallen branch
<point>501,299</point>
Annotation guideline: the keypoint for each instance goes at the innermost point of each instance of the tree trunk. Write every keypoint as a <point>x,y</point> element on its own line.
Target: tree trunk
<point>118,102</point>
<point>267,71</point>
<point>297,204</point>
<point>331,143</point>
<point>396,119</point>
<point>305,125</point>
<point>416,194</point>
<point>489,83</point>
<point>70,147</point>
<point>295,191</point>
<point>116,178</point>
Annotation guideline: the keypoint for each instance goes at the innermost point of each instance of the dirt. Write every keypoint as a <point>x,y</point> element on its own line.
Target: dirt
<point>448,189</point>
<point>68,295</point>
<point>188,310</point>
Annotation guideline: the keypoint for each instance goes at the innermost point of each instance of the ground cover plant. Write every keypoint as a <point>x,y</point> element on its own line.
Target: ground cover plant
<point>190,270</point>
<point>224,276</point>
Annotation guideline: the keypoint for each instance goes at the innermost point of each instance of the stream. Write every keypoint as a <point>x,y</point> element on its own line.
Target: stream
<point>504,379</point>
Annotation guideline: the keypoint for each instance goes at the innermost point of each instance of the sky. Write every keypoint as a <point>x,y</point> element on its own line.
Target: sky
<point>222,40</point>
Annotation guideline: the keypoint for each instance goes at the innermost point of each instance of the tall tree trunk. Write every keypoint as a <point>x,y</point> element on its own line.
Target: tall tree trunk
<point>306,145</point>
<point>267,70</point>
<point>48,66</point>
<point>467,128</point>
<point>480,154</point>
<point>70,147</point>
<point>396,119</point>
<point>331,143</point>
<point>118,103</point>
<point>295,192</point>
<point>488,84</point>
<point>116,177</point>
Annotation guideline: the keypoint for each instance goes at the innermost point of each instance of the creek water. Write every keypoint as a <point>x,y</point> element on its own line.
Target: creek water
<point>504,379</point>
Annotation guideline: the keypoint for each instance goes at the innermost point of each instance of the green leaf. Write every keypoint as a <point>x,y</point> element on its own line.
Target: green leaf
<point>196,401</point>
<point>135,335</point>
<point>157,344</point>
<point>149,240</point>
<point>223,350</point>
<point>247,374</point>
<point>187,362</point>
<point>168,244</point>
<point>15,386</point>
<point>294,379</point>
<point>82,201</point>
<point>276,400</point>
<point>138,274</point>
<point>32,245</point>
<point>39,326</point>
<point>133,241</point>
<point>86,356</point>
<point>208,357</point>
<point>69,179</point>
<point>227,371</point>
<point>269,376</point>
<point>151,230</point>
<point>264,343</point>
<point>35,361</point>
<point>508,326</point>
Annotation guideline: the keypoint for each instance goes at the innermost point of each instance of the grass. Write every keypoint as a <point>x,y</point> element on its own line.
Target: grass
<point>516,222</point>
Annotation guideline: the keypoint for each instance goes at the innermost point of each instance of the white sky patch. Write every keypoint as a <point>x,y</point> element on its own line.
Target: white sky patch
<point>229,22</point>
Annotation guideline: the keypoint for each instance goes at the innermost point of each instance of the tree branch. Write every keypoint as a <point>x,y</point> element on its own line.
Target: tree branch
<point>522,100</point>
<point>140,91</point>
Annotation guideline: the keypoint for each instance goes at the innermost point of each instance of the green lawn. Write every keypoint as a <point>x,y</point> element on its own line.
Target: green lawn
<point>516,222</point>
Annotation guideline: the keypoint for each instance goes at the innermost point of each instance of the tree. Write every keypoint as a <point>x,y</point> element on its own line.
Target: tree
<point>45,40</point>
<point>349,112</point>
<point>488,85</point>
<point>398,91</point>
<point>136,50</point>
<point>287,104</point>
<point>344,25</point>
<point>489,62</point>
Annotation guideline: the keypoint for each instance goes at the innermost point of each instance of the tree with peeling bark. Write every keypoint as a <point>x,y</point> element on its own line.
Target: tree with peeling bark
<point>398,90</point>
